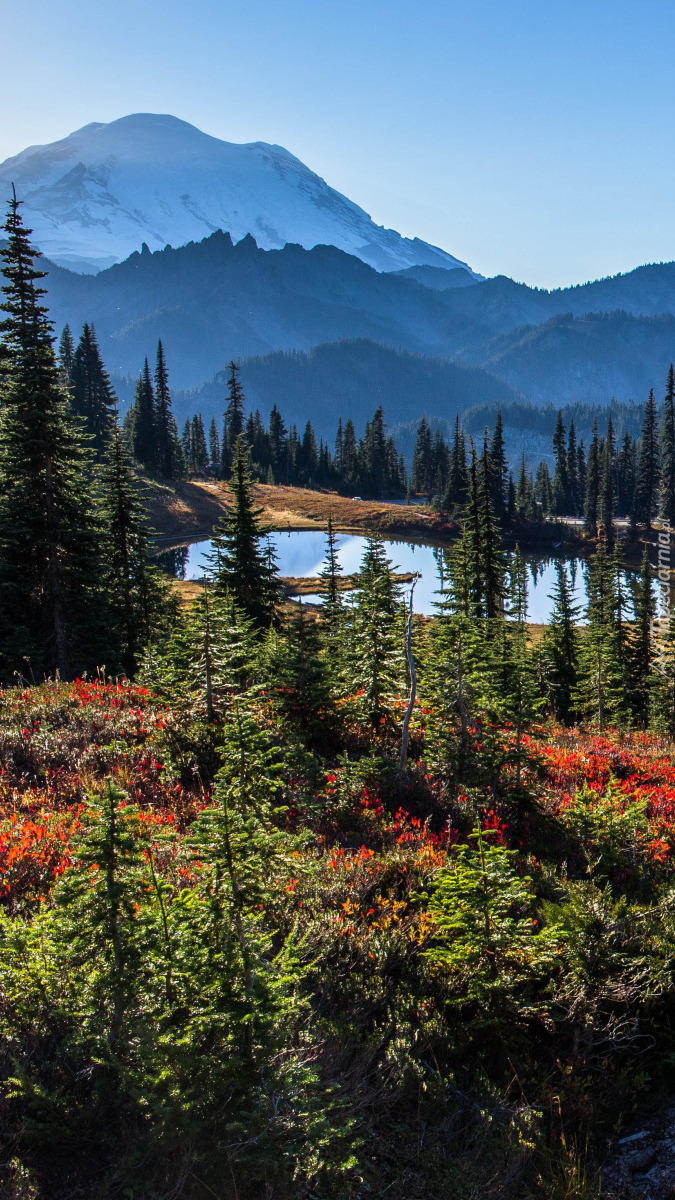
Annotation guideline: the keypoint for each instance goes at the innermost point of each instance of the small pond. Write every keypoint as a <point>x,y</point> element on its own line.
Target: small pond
<point>302,554</point>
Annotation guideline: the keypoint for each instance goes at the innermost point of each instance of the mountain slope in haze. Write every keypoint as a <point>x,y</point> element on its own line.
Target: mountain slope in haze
<point>211,301</point>
<point>586,359</point>
<point>97,195</point>
<point>350,379</point>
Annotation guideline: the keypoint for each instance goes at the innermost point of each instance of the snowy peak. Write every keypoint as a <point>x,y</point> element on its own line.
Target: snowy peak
<point>95,196</point>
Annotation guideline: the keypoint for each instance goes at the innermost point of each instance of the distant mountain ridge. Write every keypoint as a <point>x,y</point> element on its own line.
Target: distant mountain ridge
<point>95,196</point>
<point>214,300</point>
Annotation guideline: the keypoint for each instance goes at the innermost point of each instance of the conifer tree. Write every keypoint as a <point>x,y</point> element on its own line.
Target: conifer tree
<point>278,438</point>
<point>647,481</point>
<point>301,689</point>
<point>66,353</point>
<point>543,488</point>
<point>601,694</point>
<point>667,482</point>
<point>606,492</point>
<point>640,656</point>
<point>561,489</point>
<point>573,486</point>
<point>241,567</point>
<point>422,477</point>
<point>349,455</point>
<point>375,649</point>
<point>499,468</point>
<point>233,427</point>
<point>199,454</point>
<point>625,473</point>
<point>592,488</point>
<point>91,392</point>
<point>137,594</point>
<point>52,614</point>
<point>308,455</point>
<point>139,423</point>
<point>170,460</point>
<point>214,447</point>
<point>560,649</point>
<point>492,569</point>
<point>457,488</point>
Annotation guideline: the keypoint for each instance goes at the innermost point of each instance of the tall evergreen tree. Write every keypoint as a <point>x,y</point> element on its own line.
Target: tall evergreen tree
<point>457,488</point>
<point>592,488</point>
<point>667,481</point>
<point>214,446</point>
<point>170,460</point>
<point>625,474</point>
<point>606,493</point>
<point>422,476</point>
<point>233,427</point>
<point>52,614</point>
<point>92,395</point>
<point>573,485</point>
<point>499,468</point>
<point>560,649</point>
<point>561,489</point>
<point>136,592</point>
<point>640,655</point>
<point>240,565</point>
<point>66,354</point>
<point>647,482</point>
<point>139,423</point>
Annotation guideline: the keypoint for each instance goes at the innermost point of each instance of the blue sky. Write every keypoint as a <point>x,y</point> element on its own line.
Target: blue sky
<point>533,139</point>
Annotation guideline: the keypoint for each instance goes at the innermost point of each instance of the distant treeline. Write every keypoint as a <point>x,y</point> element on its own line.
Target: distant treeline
<point>629,474</point>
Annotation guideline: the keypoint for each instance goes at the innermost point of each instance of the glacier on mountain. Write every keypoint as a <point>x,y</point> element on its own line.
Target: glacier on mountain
<point>97,195</point>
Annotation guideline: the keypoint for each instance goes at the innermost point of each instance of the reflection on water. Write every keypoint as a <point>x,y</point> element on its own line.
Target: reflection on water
<point>301,555</point>
<point>174,562</point>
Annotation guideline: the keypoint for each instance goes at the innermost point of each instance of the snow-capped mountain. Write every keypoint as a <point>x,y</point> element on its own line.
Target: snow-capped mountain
<point>97,195</point>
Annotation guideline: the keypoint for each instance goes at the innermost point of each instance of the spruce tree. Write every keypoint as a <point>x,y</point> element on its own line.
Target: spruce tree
<point>667,481</point>
<point>625,473</point>
<point>214,447</point>
<point>601,693</point>
<point>170,461</point>
<point>52,614</point>
<point>375,650</point>
<point>422,476</point>
<point>490,543</point>
<point>91,392</point>
<point>560,649</point>
<point>199,454</point>
<point>137,594</point>
<point>606,493</point>
<point>573,485</point>
<point>233,427</point>
<point>457,488</point>
<point>240,565</point>
<point>647,482</point>
<point>66,353</point>
<point>640,652</point>
<point>592,488</point>
<point>561,489</point>
<point>499,468</point>
<point>140,424</point>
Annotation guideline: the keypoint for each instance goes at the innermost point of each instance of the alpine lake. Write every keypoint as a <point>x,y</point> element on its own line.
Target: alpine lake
<point>301,556</point>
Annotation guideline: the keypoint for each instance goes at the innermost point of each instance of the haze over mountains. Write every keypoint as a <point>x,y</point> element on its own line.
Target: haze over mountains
<point>289,266</point>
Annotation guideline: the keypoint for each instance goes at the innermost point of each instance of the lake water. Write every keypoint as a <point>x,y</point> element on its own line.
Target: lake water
<point>303,555</point>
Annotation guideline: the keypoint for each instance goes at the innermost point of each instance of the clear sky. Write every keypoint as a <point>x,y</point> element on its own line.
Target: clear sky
<point>532,138</point>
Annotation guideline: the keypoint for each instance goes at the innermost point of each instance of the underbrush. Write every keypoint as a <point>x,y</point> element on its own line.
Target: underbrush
<point>295,977</point>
